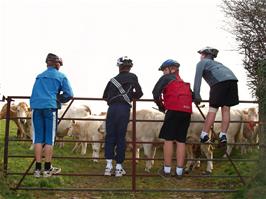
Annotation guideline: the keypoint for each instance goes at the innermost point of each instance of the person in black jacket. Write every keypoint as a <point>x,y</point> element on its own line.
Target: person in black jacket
<point>119,93</point>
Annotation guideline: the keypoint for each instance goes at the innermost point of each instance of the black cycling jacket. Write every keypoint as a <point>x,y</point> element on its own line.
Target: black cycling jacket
<point>130,84</point>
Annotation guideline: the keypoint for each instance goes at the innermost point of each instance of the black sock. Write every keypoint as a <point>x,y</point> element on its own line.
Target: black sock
<point>47,166</point>
<point>38,166</point>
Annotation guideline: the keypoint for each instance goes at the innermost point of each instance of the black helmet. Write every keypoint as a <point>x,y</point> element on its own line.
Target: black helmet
<point>209,50</point>
<point>124,61</point>
<point>168,63</point>
<point>54,58</point>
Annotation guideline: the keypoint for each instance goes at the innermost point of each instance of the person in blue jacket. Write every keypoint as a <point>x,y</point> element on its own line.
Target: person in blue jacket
<point>223,91</point>
<point>51,88</point>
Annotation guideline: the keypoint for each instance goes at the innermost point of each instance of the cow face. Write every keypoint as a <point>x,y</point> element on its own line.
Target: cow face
<point>22,110</point>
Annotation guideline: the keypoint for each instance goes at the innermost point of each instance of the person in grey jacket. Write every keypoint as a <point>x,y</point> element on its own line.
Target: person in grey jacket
<point>223,91</point>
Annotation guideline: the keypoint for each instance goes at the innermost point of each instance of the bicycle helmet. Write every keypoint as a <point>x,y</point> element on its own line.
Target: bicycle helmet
<point>168,63</point>
<point>124,61</point>
<point>54,58</point>
<point>209,51</point>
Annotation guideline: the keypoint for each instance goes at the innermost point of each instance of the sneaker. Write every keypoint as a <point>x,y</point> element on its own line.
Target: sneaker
<point>205,139</point>
<point>37,173</point>
<point>120,172</point>
<point>163,174</point>
<point>223,139</point>
<point>51,171</point>
<point>108,171</point>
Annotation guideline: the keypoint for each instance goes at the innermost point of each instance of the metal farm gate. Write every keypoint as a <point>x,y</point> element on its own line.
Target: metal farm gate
<point>134,174</point>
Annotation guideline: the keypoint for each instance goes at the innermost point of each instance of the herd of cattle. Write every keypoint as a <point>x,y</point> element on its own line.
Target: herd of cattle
<point>84,126</point>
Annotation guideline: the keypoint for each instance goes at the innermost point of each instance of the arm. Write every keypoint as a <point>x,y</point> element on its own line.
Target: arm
<point>157,92</point>
<point>105,92</point>
<point>137,94</point>
<point>66,90</point>
<point>197,81</point>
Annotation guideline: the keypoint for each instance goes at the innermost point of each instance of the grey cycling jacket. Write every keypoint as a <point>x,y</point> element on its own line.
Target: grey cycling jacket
<point>213,72</point>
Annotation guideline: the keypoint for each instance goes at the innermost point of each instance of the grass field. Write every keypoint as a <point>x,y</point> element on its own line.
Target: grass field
<point>86,166</point>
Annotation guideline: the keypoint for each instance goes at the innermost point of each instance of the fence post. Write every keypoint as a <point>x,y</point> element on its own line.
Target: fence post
<point>134,146</point>
<point>7,135</point>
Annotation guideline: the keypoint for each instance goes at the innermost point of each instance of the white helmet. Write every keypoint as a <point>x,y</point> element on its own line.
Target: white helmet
<point>209,50</point>
<point>124,61</point>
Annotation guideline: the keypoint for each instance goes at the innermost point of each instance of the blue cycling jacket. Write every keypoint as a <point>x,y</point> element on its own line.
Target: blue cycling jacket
<point>51,88</point>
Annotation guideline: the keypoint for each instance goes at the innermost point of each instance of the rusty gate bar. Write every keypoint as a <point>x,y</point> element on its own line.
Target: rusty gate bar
<point>133,162</point>
<point>129,190</point>
<point>90,158</point>
<point>7,134</point>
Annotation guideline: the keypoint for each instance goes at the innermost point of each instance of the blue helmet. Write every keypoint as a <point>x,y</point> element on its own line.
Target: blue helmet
<point>169,62</point>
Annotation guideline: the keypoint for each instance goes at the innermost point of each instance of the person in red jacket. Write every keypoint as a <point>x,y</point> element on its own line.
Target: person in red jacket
<point>173,95</point>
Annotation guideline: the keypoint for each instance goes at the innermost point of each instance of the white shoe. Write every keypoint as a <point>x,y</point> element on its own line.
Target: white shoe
<point>37,173</point>
<point>120,172</point>
<point>108,171</point>
<point>51,171</point>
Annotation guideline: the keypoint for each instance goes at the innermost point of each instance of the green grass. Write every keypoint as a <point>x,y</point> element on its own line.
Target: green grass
<point>86,166</point>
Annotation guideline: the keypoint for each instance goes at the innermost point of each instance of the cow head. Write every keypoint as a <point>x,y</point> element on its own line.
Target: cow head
<point>22,110</point>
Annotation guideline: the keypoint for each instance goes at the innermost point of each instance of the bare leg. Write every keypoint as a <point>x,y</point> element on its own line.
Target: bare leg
<point>180,154</point>
<point>48,152</point>
<point>168,152</point>
<point>225,118</point>
<point>210,118</point>
<point>38,152</point>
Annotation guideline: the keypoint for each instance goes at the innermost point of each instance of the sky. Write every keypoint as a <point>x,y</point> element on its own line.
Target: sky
<point>90,35</point>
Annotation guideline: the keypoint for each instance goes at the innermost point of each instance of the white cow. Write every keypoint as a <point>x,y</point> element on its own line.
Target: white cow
<point>193,146</point>
<point>17,110</point>
<point>249,129</point>
<point>147,132</point>
<point>75,111</point>
<point>87,130</point>
<point>194,136</point>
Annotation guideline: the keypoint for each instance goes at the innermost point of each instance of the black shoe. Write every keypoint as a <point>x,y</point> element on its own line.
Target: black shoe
<point>223,139</point>
<point>205,139</point>
<point>163,174</point>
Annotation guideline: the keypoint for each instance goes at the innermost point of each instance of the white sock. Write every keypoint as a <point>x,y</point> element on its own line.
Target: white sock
<point>109,163</point>
<point>179,171</point>
<point>167,169</point>
<point>118,166</point>
<point>221,134</point>
<point>203,134</point>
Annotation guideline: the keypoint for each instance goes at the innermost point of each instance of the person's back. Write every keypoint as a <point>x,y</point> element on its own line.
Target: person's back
<point>223,91</point>
<point>119,93</point>
<point>172,94</point>
<point>47,87</point>
<point>129,82</point>
<point>213,72</point>
<point>51,88</point>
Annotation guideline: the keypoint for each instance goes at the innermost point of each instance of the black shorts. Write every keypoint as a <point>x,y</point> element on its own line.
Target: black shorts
<point>224,94</point>
<point>175,126</point>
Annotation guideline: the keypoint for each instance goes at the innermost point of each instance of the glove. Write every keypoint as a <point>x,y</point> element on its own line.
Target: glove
<point>197,101</point>
<point>161,109</point>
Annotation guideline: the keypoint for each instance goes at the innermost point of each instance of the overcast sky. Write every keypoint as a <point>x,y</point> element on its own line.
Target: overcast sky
<point>90,35</point>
